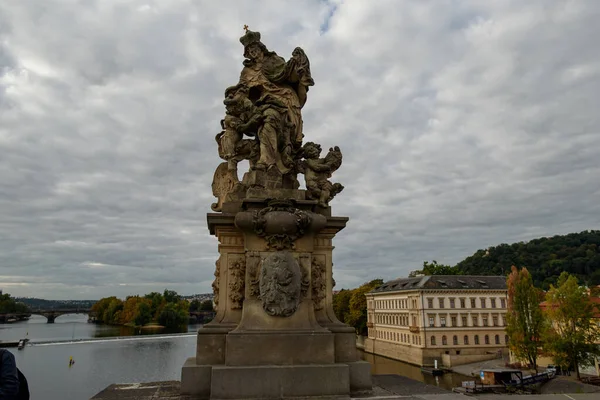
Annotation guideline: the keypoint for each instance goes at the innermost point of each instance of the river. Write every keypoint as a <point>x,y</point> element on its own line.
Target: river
<point>107,354</point>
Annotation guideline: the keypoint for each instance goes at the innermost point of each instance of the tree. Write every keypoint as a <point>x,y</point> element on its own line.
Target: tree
<point>341,304</point>
<point>194,305</point>
<point>157,299</point>
<point>357,313</point>
<point>573,335</point>
<point>100,309</point>
<point>173,315</point>
<point>434,268</point>
<point>206,305</point>
<point>10,305</point>
<point>143,313</point>
<point>525,321</point>
<point>171,296</point>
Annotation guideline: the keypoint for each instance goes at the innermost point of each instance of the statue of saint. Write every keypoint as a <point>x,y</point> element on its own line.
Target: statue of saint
<point>279,89</point>
<point>265,107</point>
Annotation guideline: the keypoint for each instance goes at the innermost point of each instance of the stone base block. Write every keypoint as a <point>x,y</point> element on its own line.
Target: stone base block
<point>360,377</point>
<point>281,382</point>
<point>278,348</point>
<point>195,379</point>
<point>345,347</point>
<point>210,345</point>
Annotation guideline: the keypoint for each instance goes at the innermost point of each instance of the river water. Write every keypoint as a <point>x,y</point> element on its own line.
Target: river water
<point>106,354</point>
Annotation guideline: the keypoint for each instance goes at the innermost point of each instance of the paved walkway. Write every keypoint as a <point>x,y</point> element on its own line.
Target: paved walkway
<point>386,387</point>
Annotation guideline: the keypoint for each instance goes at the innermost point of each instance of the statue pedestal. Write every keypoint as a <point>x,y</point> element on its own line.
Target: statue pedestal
<point>275,334</point>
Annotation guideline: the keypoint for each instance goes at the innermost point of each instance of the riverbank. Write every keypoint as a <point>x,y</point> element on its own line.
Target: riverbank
<point>559,385</point>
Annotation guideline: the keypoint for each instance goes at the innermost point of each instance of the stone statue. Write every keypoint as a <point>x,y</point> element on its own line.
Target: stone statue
<point>280,284</point>
<point>317,171</point>
<point>241,115</point>
<point>280,87</point>
<point>263,124</point>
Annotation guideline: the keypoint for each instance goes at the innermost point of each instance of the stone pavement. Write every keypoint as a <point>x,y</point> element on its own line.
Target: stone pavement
<point>386,387</point>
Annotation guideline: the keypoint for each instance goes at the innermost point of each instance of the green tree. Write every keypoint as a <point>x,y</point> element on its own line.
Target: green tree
<point>206,305</point>
<point>434,268</point>
<point>341,304</point>
<point>10,305</point>
<point>143,313</point>
<point>171,296</point>
<point>525,321</point>
<point>357,313</point>
<point>173,315</point>
<point>573,335</point>
<point>157,300</point>
<point>195,305</point>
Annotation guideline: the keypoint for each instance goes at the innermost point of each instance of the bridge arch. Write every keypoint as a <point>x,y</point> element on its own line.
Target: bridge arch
<point>51,315</point>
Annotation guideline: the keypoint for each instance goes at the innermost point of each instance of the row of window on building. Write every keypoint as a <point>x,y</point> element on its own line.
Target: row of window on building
<point>463,302</point>
<point>472,301</point>
<point>395,319</point>
<point>396,304</point>
<point>399,337</point>
<point>404,320</point>
<point>416,340</point>
<point>486,340</point>
<point>475,318</point>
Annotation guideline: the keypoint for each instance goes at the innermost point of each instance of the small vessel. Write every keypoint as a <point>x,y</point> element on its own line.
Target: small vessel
<point>22,343</point>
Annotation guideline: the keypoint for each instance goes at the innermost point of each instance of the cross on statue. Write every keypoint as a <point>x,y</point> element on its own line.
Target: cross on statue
<point>246,28</point>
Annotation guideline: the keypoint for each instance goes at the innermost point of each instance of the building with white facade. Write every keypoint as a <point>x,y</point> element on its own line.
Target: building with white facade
<point>455,319</point>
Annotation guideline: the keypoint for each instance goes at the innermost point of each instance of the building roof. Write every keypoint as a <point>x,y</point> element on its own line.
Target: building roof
<point>451,282</point>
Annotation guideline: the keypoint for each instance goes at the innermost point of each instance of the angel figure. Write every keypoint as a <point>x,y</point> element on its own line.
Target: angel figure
<point>317,171</point>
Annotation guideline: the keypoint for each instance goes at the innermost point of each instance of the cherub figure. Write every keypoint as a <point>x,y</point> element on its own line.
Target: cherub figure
<point>239,111</point>
<point>317,171</point>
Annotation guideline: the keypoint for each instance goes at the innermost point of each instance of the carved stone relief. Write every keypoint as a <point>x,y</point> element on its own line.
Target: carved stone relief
<point>237,272</point>
<point>305,266</point>
<point>319,283</point>
<point>300,221</point>
<point>280,284</point>
<point>253,267</point>
<point>215,284</point>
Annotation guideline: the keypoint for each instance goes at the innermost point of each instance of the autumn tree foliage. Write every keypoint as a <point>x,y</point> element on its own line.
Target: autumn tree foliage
<point>573,336</point>
<point>168,309</point>
<point>350,306</point>
<point>525,321</point>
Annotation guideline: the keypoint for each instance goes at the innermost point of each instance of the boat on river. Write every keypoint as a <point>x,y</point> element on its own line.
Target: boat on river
<point>500,380</point>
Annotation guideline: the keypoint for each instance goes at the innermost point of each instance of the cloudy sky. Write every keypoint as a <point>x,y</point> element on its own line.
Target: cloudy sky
<point>464,124</point>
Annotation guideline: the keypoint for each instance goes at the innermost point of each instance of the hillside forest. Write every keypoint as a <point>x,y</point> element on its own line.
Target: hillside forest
<point>545,258</point>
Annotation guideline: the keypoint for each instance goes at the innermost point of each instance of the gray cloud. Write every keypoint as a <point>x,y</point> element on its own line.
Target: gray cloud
<point>463,125</point>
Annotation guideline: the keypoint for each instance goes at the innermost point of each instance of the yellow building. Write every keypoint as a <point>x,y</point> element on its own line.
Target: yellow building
<point>454,319</point>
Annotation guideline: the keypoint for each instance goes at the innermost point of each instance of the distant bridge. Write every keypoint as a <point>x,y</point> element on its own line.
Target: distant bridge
<point>50,315</point>
<point>195,316</point>
<point>201,317</point>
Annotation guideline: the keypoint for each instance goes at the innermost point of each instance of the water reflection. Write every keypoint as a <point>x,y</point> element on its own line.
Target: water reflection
<point>385,366</point>
<point>75,326</point>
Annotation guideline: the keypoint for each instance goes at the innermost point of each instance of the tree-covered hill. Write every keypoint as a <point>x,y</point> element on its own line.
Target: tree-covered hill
<point>545,258</point>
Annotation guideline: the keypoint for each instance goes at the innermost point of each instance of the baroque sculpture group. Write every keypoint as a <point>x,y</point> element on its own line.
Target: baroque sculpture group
<point>275,334</point>
<point>265,106</point>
